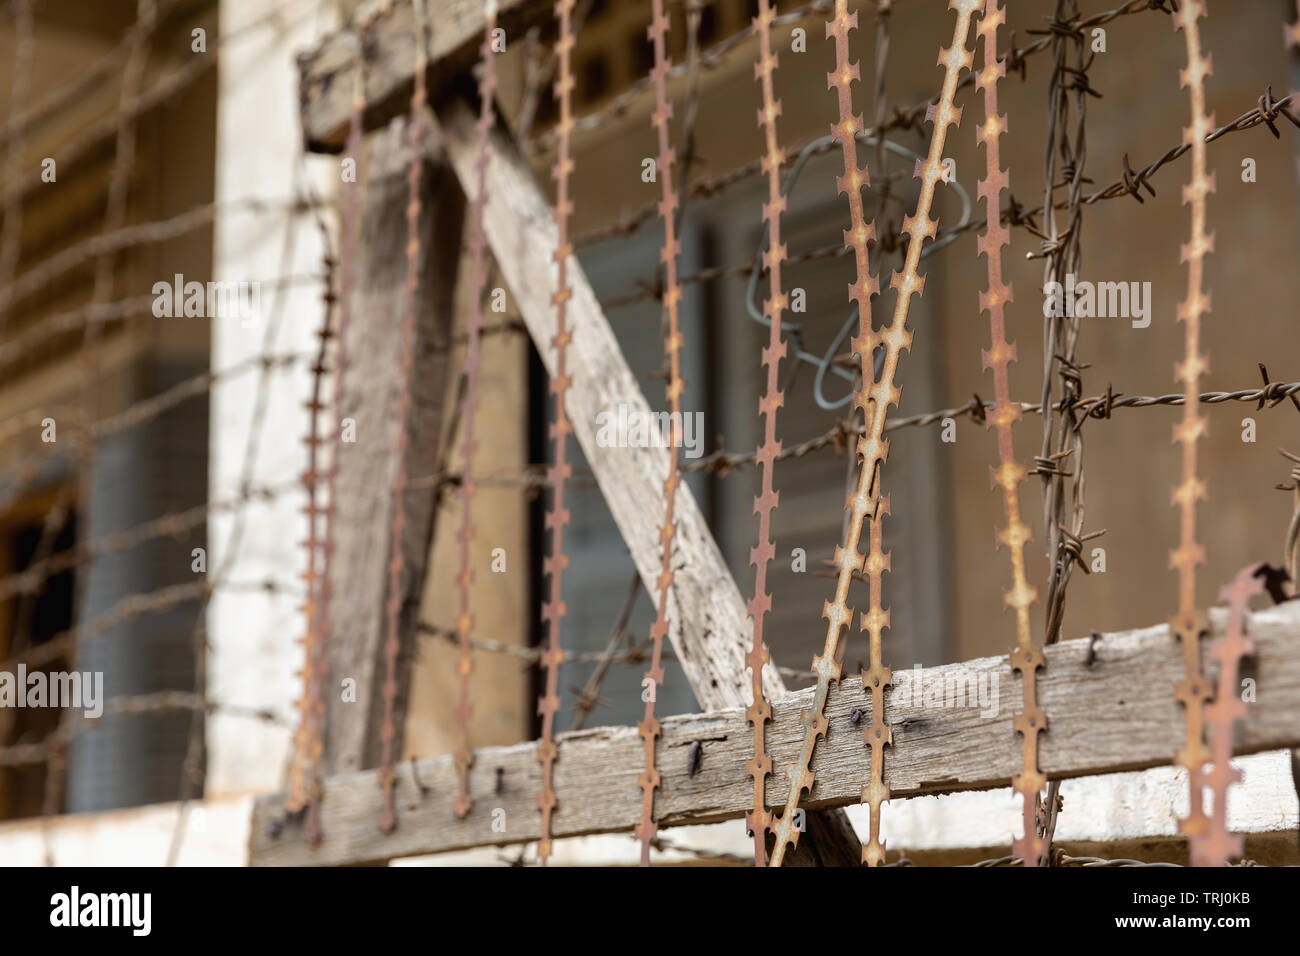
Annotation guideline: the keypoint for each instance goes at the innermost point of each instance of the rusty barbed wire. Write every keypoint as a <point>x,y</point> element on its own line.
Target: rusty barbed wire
<point>103,68</point>
<point>1061,248</point>
<point>1129,184</point>
<point>171,524</point>
<point>478,283</point>
<point>1010,472</point>
<point>1189,624</point>
<point>131,606</point>
<point>636,654</point>
<point>134,416</point>
<point>903,117</point>
<point>719,463</point>
<point>759,711</point>
<point>557,517</point>
<point>648,728</point>
<point>1215,846</point>
<point>87,137</point>
<point>80,318</point>
<point>132,705</point>
<point>132,236</point>
<point>621,104</point>
<point>396,561</point>
<point>589,695</point>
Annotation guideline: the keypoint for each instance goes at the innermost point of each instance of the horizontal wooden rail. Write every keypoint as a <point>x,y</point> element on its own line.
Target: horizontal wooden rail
<point>1111,715</point>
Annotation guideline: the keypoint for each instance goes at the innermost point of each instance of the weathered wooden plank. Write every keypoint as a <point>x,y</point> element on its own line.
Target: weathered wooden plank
<point>327,73</point>
<point>1113,715</point>
<point>364,511</point>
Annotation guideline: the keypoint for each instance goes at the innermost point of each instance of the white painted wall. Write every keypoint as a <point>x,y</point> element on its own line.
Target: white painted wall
<point>254,655</point>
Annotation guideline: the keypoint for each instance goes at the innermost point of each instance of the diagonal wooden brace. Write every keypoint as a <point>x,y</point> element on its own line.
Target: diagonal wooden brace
<point>710,626</point>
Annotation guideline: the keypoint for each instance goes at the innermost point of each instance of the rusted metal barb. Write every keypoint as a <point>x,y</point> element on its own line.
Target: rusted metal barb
<point>648,728</point>
<point>874,398</point>
<point>396,562</point>
<point>759,711</point>
<point>1010,472</point>
<point>1189,624</point>
<point>554,610</point>
<point>478,285</point>
<point>1215,846</point>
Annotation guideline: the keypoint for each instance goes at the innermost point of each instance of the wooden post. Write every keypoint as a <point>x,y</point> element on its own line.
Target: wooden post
<point>364,510</point>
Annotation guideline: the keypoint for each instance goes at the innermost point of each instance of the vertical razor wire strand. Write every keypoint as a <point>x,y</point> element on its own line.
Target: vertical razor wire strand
<point>759,711</point>
<point>907,283</point>
<point>857,239</point>
<point>557,517</point>
<point>648,728</point>
<point>304,734</point>
<point>474,333</point>
<point>874,402</point>
<point>1189,624</point>
<point>316,661</point>
<point>396,563</point>
<point>1010,473</point>
<point>1216,846</point>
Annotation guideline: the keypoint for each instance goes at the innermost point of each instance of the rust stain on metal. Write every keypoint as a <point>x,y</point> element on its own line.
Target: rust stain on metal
<point>554,610</point>
<point>1215,846</point>
<point>1189,624</point>
<point>759,711</point>
<point>874,400</point>
<point>648,728</point>
<point>1010,472</point>
<point>474,332</point>
<point>396,563</point>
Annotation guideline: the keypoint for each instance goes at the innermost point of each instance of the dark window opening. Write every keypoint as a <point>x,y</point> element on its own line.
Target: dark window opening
<point>28,621</point>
